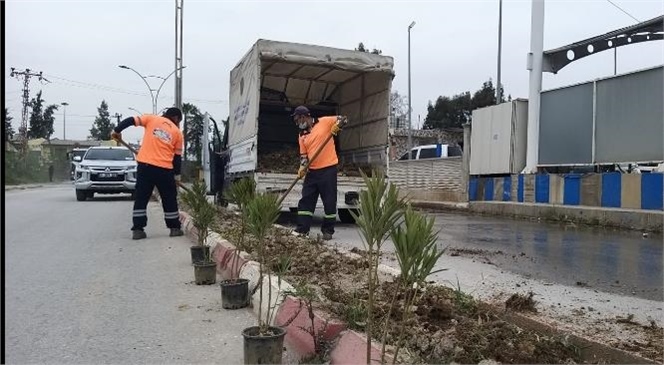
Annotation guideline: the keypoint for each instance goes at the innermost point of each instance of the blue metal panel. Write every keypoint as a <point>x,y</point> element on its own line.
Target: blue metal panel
<point>519,189</point>
<point>652,191</point>
<point>611,189</point>
<point>507,188</point>
<point>488,189</point>
<point>572,190</point>
<point>472,189</point>
<point>541,188</point>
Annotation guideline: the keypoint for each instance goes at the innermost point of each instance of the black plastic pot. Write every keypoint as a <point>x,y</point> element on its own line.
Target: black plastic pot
<point>205,273</point>
<point>234,293</point>
<point>265,349</point>
<point>199,253</point>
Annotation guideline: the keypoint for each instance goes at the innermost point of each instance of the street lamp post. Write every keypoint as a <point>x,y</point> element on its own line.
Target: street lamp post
<point>154,96</point>
<point>410,122</point>
<point>136,110</point>
<point>64,120</point>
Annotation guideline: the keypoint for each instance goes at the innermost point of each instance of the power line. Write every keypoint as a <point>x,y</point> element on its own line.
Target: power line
<point>94,86</point>
<point>623,10</point>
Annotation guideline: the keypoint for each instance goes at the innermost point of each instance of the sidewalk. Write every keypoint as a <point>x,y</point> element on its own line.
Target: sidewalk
<point>35,186</point>
<point>194,326</point>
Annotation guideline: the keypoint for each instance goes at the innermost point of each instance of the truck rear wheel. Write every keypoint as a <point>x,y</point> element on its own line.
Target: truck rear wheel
<point>346,217</point>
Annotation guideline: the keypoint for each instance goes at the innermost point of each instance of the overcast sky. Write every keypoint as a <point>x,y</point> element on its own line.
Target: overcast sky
<point>79,44</point>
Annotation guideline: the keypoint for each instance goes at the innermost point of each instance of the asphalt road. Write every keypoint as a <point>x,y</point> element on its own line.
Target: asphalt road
<point>612,261</point>
<point>79,290</point>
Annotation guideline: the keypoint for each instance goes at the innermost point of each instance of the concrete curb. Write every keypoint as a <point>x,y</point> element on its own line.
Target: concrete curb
<point>22,187</point>
<point>348,346</point>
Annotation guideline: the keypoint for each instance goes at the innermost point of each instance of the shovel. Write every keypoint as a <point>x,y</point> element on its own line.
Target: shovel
<point>133,150</point>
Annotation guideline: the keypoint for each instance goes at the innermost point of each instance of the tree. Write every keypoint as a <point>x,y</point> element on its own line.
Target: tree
<point>9,130</point>
<point>193,130</point>
<point>102,127</point>
<point>41,121</point>
<point>361,48</point>
<point>455,111</point>
<point>398,110</point>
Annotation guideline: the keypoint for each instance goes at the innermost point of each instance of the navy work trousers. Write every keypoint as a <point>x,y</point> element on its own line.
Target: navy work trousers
<point>321,182</point>
<point>148,177</point>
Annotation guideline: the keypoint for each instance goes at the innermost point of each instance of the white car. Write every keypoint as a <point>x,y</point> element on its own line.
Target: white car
<point>105,170</point>
<point>432,151</point>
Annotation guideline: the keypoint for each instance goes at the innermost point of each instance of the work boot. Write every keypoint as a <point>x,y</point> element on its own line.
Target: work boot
<point>176,232</point>
<point>138,234</point>
<point>299,234</point>
<point>327,236</point>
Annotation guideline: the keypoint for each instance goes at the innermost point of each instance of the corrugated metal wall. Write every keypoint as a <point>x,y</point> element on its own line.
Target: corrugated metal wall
<point>630,118</point>
<point>566,126</point>
<point>623,114</point>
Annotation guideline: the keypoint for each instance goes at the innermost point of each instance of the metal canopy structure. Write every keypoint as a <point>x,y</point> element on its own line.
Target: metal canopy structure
<point>650,30</point>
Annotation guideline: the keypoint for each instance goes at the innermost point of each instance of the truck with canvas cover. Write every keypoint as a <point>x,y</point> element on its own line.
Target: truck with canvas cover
<point>275,77</point>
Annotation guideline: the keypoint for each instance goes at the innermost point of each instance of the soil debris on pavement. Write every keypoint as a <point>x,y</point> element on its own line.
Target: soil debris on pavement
<point>521,303</point>
<point>453,251</point>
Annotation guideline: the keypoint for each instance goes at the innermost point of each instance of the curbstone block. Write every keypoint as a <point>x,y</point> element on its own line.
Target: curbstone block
<point>351,349</point>
<point>297,340</point>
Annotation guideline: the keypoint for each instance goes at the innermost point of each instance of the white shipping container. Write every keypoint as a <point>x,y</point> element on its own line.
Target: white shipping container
<point>498,138</point>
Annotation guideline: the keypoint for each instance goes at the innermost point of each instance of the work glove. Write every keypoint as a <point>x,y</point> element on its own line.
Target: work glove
<point>335,129</point>
<point>178,179</point>
<point>116,136</point>
<point>301,172</point>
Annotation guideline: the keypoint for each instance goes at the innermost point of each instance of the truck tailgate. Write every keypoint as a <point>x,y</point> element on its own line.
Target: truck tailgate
<point>275,181</point>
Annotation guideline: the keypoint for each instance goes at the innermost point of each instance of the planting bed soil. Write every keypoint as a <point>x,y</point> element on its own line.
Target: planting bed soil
<point>446,326</point>
<point>287,161</point>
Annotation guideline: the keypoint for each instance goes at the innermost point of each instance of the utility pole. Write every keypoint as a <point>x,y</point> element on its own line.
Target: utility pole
<point>500,43</point>
<point>64,120</point>
<point>179,10</point>
<point>179,4</point>
<point>26,75</point>
<point>410,122</point>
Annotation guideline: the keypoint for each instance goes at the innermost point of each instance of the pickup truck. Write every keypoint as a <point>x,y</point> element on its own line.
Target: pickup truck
<point>275,77</point>
<point>105,170</point>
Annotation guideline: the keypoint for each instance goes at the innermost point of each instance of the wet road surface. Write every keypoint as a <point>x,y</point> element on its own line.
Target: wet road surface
<point>614,261</point>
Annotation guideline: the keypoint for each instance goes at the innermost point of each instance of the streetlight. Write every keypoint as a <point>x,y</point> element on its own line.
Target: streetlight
<point>136,110</point>
<point>410,123</point>
<point>64,120</point>
<point>154,96</point>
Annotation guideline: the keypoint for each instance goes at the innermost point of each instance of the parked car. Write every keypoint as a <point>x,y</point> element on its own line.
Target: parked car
<point>75,157</point>
<point>105,170</point>
<point>432,151</point>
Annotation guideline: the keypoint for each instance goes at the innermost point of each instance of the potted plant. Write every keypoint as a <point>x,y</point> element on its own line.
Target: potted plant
<point>195,198</point>
<point>203,214</point>
<point>235,291</point>
<point>263,344</point>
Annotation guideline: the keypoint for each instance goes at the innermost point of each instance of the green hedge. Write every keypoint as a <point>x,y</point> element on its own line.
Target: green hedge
<point>24,171</point>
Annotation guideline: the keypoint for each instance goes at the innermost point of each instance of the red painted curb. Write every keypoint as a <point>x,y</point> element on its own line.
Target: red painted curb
<point>350,347</point>
<point>223,256</point>
<point>299,341</point>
